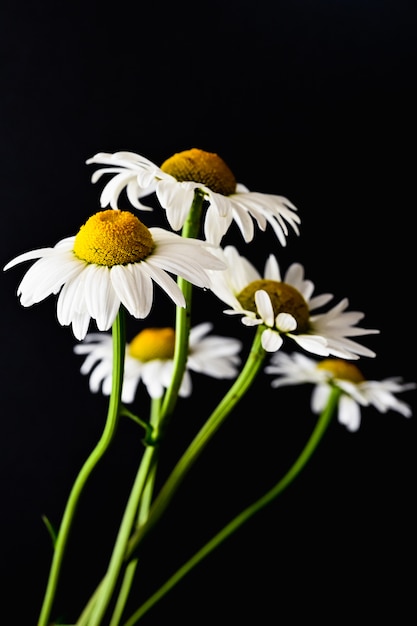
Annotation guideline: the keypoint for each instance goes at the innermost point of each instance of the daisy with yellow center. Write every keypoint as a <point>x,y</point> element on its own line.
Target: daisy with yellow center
<point>175,183</point>
<point>356,391</point>
<point>149,358</point>
<point>114,259</point>
<point>284,305</point>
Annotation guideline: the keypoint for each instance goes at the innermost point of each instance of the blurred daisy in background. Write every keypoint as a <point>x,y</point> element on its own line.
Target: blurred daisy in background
<point>114,259</point>
<point>175,183</point>
<point>357,392</point>
<point>149,358</point>
<point>284,305</point>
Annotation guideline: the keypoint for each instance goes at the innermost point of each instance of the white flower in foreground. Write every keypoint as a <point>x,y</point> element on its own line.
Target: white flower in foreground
<point>284,305</point>
<point>149,358</point>
<point>175,182</point>
<point>114,259</point>
<point>297,369</point>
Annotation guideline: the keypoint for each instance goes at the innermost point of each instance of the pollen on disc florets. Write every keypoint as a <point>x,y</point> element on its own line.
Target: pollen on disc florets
<point>153,343</point>
<point>284,299</point>
<point>201,167</point>
<point>342,369</point>
<point>113,238</point>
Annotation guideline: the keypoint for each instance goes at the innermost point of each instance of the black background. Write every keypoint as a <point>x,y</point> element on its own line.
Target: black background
<point>311,100</point>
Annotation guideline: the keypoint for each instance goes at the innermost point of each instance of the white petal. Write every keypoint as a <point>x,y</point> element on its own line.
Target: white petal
<point>199,331</point>
<point>320,397</point>
<point>80,324</point>
<point>186,386</point>
<point>152,378</point>
<point>264,307</point>
<point>312,343</point>
<point>47,276</point>
<point>220,202</point>
<point>165,281</point>
<point>271,340</point>
<point>71,301</point>
<point>272,271</point>
<point>215,226</point>
<point>285,322</point>
<point>133,287</point>
<point>130,386</point>
<point>101,300</point>
<point>29,256</point>
<point>176,199</point>
<point>101,371</point>
<point>113,189</point>
<point>248,320</point>
<point>349,413</point>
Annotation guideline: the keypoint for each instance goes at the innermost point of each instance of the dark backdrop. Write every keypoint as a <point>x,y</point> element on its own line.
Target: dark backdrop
<point>311,100</point>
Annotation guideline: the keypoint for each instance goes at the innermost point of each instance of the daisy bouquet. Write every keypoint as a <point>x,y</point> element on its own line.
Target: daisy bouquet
<point>107,273</point>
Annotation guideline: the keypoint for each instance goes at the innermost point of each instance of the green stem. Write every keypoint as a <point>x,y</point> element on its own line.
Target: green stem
<point>119,343</point>
<point>144,507</point>
<point>149,438</point>
<point>85,615</point>
<point>190,229</point>
<point>84,618</point>
<point>143,481</point>
<point>117,559</point>
<point>235,393</point>
<point>132,565</point>
<point>247,513</point>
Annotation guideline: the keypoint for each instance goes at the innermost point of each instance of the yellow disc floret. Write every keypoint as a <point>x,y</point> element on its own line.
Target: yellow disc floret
<point>113,238</point>
<point>342,370</point>
<point>284,299</point>
<point>153,343</point>
<point>201,167</point>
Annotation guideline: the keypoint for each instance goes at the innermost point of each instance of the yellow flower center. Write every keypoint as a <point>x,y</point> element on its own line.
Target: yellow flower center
<point>153,343</point>
<point>342,369</point>
<point>284,299</point>
<point>201,167</point>
<point>113,238</point>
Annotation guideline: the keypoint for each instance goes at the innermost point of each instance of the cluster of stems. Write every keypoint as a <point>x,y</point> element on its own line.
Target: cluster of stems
<point>107,604</point>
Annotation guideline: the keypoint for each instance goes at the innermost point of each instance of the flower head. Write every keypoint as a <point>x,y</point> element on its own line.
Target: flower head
<point>298,369</point>
<point>175,183</point>
<point>285,305</point>
<point>149,358</point>
<point>114,259</point>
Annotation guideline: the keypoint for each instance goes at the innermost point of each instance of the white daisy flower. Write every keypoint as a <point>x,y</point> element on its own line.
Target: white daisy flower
<point>285,305</point>
<point>149,358</point>
<point>114,259</point>
<point>175,183</point>
<point>357,392</point>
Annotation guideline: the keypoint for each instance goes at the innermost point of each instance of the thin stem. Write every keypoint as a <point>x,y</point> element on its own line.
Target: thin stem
<point>145,425</point>
<point>144,507</point>
<point>247,513</point>
<point>190,229</point>
<point>51,529</point>
<point>182,329</point>
<point>235,393</point>
<point>85,615</point>
<point>245,379</point>
<point>143,483</point>
<point>118,332</point>
<point>117,558</point>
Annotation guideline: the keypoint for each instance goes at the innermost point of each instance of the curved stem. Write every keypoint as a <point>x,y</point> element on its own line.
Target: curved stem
<point>116,561</point>
<point>103,444</point>
<point>235,393</point>
<point>183,314</point>
<point>247,513</point>
<point>145,425</point>
<point>132,565</point>
<point>143,482</point>
<point>143,512</point>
